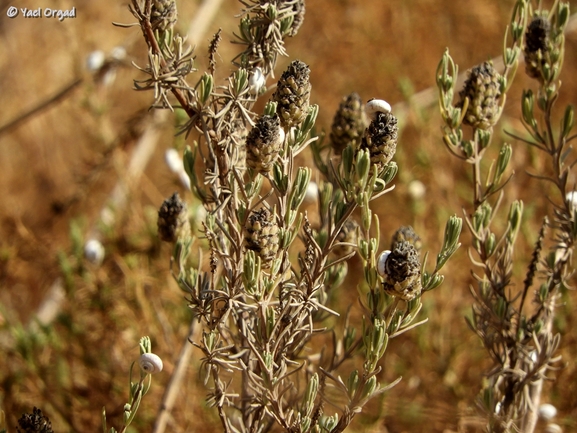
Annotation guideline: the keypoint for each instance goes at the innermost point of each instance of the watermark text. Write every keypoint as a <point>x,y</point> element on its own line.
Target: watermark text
<point>59,14</point>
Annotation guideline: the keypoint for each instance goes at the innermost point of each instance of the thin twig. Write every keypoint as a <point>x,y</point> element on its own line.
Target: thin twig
<point>44,105</point>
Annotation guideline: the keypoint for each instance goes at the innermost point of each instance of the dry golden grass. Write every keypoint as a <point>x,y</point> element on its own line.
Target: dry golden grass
<point>59,167</point>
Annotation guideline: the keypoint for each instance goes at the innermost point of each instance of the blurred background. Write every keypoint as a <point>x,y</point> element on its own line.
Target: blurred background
<point>68,173</point>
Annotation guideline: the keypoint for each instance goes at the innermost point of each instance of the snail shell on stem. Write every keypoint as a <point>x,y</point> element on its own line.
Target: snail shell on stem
<point>150,363</point>
<point>256,81</point>
<point>382,263</point>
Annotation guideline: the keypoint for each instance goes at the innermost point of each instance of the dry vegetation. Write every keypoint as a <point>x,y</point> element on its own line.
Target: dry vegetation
<point>58,168</point>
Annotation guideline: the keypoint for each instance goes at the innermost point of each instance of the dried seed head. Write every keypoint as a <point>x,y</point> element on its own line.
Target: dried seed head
<point>483,90</point>
<point>264,142</point>
<point>299,16</point>
<point>34,422</point>
<point>347,234</point>
<point>536,46</point>
<point>402,272</point>
<point>380,139</point>
<point>292,94</point>
<point>173,220</point>
<point>348,124</point>
<point>261,235</point>
<point>406,233</point>
<point>163,15</point>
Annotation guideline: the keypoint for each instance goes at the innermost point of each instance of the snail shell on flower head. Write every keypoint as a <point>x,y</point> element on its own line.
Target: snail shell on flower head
<point>382,263</point>
<point>375,106</point>
<point>281,135</point>
<point>150,363</point>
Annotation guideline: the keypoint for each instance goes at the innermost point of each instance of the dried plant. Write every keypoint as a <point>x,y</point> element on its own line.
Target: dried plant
<point>519,340</point>
<point>34,422</point>
<point>272,357</point>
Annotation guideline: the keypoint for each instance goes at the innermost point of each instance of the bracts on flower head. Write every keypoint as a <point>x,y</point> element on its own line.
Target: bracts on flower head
<point>299,9</point>
<point>401,271</point>
<point>263,143</point>
<point>173,220</point>
<point>292,94</point>
<point>536,46</point>
<point>163,14</point>
<point>483,90</point>
<point>349,123</point>
<point>406,233</point>
<point>34,422</point>
<point>380,139</point>
<point>261,234</point>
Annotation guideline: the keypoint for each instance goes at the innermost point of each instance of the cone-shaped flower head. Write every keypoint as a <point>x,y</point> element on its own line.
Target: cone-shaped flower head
<point>173,220</point>
<point>163,15</point>
<point>298,8</point>
<point>261,235</point>
<point>34,422</point>
<point>484,92</point>
<point>380,139</point>
<point>402,277</point>
<point>536,46</point>
<point>406,233</point>
<point>264,142</point>
<point>348,124</point>
<point>292,94</point>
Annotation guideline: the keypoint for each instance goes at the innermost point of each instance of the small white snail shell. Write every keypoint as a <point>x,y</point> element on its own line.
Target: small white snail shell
<point>150,363</point>
<point>94,251</point>
<point>175,164</point>
<point>95,60</point>
<point>498,407</point>
<point>312,193</point>
<point>256,81</point>
<point>553,428</point>
<point>547,412</point>
<point>416,189</point>
<point>571,198</point>
<point>118,53</point>
<point>382,263</point>
<point>375,106</point>
<point>281,135</point>
<point>173,160</point>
